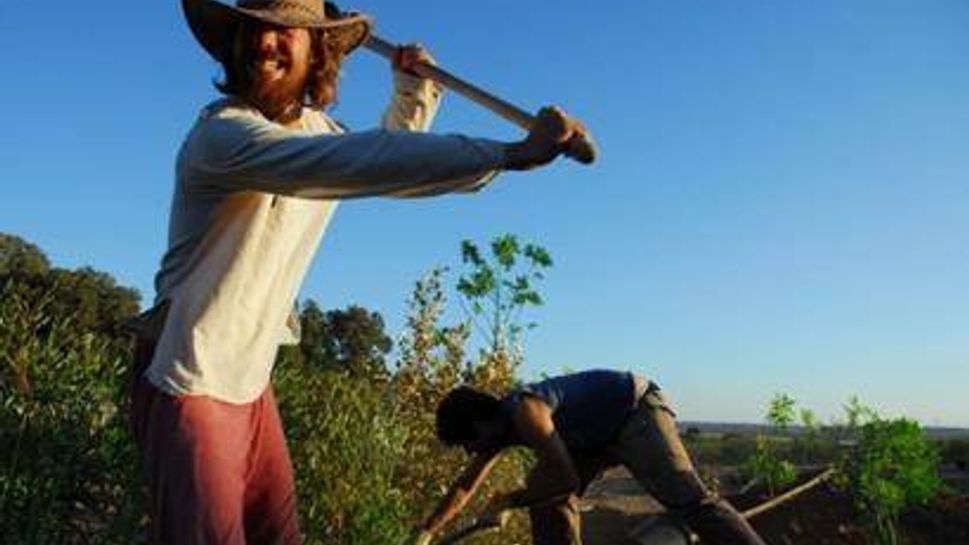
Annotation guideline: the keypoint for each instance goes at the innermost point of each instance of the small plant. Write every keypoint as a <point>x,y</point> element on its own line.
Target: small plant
<point>499,286</point>
<point>809,443</point>
<point>857,413</point>
<point>780,412</point>
<point>765,464</point>
<point>891,466</point>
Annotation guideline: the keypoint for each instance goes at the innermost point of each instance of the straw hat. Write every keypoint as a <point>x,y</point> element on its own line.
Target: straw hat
<point>214,23</point>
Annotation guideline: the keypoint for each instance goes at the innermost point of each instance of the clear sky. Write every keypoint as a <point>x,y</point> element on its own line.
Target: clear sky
<point>781,202</point>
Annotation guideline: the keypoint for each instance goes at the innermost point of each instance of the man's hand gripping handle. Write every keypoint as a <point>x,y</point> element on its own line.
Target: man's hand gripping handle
<point>580,146</point>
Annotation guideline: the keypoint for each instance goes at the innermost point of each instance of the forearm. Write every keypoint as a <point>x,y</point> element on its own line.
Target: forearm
<point>460,492</point>
<point>514,156</point>
<point>447,510</point>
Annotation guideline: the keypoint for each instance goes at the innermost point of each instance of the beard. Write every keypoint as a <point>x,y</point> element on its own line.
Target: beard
<point>278,87</point>
<point>279,83</point>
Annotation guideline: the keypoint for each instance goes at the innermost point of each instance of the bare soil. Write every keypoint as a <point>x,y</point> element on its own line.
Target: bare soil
<point>615,505</point>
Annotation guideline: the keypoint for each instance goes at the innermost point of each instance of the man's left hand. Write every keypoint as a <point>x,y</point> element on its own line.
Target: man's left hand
<point>409,56</point>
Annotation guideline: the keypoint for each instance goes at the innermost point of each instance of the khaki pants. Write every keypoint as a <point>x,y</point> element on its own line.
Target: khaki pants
<point>649,445</point>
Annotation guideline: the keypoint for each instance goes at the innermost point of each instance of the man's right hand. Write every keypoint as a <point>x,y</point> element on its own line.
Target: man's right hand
<point>549,137</point>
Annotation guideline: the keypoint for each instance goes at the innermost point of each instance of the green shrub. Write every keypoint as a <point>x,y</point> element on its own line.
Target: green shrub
<point>368,466</point>
<point>67,466</point>
<point>346,440</point>
<point>892,467</point>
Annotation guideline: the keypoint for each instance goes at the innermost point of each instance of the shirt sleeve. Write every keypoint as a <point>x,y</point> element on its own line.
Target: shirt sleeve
<point>413,107</point>
<point>239,150</point>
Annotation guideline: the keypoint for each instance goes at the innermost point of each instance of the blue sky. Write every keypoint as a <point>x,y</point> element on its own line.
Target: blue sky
<point>781,202</point>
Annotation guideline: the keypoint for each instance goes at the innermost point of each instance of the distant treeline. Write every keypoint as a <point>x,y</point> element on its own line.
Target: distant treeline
<point>742,428</point>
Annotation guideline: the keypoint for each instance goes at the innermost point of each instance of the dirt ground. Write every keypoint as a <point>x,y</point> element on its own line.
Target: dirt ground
<point>615,507</point>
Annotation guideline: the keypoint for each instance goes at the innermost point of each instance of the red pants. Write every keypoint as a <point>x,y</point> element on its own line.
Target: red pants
<point>220,473</point>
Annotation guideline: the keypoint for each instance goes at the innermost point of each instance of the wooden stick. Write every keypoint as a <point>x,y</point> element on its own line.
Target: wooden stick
<point>473,528</point>
<point>789,495</point>
<point>581,148</point>
<point>485,525</point>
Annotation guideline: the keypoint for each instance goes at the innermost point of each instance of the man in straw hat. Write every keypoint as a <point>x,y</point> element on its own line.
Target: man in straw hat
<point>257,179</point>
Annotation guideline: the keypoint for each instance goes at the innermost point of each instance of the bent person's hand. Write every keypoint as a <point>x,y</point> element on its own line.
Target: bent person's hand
<point>496,512</point>
<point>548,138</point>
<point>419,537</point>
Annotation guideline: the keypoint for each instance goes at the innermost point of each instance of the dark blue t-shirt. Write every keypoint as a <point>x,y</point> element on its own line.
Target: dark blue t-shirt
<point>587,407</point>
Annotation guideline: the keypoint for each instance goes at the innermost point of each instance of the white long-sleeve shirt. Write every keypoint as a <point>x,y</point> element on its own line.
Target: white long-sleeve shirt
<point>252,200</point>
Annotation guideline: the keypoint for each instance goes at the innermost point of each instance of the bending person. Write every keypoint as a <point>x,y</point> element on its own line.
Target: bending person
<point>578,425</point>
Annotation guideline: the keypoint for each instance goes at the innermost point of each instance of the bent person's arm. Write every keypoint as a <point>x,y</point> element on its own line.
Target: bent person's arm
<point>533,423</point>
<point>460,492</point>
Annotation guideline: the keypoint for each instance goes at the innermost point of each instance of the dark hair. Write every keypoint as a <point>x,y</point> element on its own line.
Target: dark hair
<point>320,91</point>
<point>459,410</point>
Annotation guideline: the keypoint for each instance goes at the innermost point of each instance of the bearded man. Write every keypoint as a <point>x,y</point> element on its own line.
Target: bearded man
<point>257,179</point>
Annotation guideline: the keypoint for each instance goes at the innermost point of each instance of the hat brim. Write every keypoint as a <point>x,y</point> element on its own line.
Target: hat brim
<point>214,25</point>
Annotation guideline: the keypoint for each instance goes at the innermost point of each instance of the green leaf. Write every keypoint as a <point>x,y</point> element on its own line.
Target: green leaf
<point>505,249</point>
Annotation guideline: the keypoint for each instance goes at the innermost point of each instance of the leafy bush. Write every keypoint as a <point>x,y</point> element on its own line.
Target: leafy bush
<point>67,466</point>
<point>346,440</point>
<point>361,436</point>
<point>892,467</point>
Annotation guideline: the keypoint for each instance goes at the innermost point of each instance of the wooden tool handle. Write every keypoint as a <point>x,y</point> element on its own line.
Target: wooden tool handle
<point>581,149</point>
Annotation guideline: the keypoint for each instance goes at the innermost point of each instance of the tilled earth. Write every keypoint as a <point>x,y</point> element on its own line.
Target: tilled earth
<point>614,509</point>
